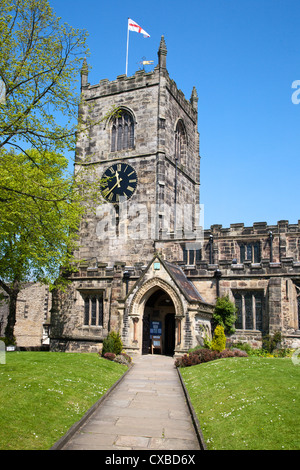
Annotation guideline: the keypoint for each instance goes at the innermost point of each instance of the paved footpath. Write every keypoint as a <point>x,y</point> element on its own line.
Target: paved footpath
<point>147,410</point>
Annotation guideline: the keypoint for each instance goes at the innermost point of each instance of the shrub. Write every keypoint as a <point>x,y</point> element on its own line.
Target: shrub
<point>196,348</point>
<point>206,355</point>
<point>126,356</point>
<point>207,342</point>
<point>9,341</point>
<point>219,339</point>
<point>123,358</point>
<point>187,360</point>
<point>108,345</point>
<point>243,346</point>
<point>233,353</point>
<point>225,314</point>
<point>271,342</point>
<point>110,356</point>
<point>227,353</point>
<point>112,344</point>
<point>284,352</point>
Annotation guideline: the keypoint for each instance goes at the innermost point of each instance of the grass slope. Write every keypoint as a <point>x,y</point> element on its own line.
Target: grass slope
<point>42,394</point>
<point>247,403</point>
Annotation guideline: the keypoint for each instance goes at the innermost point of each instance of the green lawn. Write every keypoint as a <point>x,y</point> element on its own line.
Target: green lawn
<point>42,394</point>
<point>247,403</point>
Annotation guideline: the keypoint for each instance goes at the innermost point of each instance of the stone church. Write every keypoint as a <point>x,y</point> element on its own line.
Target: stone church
<point>146,269</point>
<point>145,266</point>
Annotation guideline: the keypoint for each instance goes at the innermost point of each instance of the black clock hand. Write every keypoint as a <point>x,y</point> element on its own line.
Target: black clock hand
<point>118,179</point>
<point>111,189</point>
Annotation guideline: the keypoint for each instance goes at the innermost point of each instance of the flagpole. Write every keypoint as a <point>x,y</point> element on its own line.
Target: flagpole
<point>127,46</point>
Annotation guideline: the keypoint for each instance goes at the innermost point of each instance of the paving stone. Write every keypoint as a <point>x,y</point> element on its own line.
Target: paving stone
<point>172,444</point>
<point>132,441</point>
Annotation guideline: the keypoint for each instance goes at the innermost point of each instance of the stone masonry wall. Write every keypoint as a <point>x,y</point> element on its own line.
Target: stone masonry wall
<point>32,315</point>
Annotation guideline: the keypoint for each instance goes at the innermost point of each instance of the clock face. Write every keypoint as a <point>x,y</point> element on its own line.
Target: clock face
<point>120,182</point>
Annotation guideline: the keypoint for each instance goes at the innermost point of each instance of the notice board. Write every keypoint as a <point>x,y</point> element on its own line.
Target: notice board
<point>155,328</point>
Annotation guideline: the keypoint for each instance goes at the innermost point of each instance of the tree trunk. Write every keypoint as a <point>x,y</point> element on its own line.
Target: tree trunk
<point>11,319</point>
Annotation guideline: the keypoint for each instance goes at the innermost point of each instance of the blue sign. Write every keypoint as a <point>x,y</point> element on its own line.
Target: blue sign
<point>155,328</point>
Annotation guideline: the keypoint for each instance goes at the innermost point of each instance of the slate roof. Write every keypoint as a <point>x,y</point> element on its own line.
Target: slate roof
<point>186,286</point>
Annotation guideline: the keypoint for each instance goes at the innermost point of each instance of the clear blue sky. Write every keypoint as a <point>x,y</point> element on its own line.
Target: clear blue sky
<point>242,56</point>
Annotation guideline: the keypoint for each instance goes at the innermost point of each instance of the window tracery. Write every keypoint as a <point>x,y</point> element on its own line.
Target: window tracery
<point>122,131</point>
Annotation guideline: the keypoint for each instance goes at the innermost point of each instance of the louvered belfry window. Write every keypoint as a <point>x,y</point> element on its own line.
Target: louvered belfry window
<point>122,132</point>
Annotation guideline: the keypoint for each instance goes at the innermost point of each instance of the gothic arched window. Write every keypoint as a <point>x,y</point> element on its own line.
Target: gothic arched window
<point>180,141</point>
<point>122,131</point>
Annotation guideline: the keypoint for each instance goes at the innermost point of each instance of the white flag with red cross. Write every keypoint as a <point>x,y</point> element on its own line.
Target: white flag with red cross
<point>133,26</point>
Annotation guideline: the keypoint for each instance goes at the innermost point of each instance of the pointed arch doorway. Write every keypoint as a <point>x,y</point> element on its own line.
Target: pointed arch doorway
<point>159,320</point>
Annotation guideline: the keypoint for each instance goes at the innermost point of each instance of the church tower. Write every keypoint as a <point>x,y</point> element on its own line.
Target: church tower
<point>141,140</point>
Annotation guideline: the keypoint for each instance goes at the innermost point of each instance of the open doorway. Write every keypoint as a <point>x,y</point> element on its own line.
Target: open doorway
<point>159,323</point>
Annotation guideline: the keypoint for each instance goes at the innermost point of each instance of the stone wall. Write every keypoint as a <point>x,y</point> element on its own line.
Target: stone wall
<point>276,274</point>
<point>283,238</point>
<point>32,316</point>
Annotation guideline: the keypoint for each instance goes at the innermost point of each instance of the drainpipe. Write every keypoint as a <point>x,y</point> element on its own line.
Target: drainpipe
<point>175,196</point>
<point>271,246</point>
<point>211,240</point>
<point>217,276</point>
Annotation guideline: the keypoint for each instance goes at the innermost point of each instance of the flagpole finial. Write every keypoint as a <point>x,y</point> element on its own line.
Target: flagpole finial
<point>162,54</point>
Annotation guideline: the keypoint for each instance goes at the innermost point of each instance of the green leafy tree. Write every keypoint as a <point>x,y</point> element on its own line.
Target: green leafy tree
<point>39,58</point>
<point>40,212</point>
<point>40,206</point>
<point>40,116</point>
<point>225,314</point>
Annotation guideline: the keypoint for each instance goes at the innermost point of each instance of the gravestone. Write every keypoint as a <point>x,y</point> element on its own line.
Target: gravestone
<point>2,353</point>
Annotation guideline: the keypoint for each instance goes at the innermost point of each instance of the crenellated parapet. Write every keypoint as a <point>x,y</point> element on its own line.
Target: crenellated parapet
<point>260,243</point>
